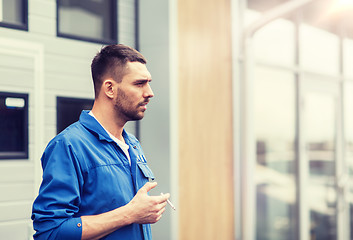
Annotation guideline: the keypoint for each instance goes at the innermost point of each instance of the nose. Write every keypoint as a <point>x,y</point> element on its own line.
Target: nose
<point>148,93</point>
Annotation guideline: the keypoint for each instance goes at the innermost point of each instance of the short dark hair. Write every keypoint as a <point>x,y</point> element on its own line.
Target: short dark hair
<point>111,61</point>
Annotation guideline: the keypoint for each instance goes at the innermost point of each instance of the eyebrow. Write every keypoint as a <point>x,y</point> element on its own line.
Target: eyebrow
<point>142,80</point>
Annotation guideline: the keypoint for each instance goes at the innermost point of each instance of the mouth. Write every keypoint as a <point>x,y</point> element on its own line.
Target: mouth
<point>144,105</point>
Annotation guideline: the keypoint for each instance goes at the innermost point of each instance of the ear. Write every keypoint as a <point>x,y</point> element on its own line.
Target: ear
<point>108,88</point>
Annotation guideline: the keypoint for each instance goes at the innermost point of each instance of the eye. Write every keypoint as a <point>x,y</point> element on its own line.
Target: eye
<point>140,84</point>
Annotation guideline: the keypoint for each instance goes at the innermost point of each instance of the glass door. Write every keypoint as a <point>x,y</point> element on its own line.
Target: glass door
<point>275,170</point>
<point>320,141</point>
<point>348,136</point>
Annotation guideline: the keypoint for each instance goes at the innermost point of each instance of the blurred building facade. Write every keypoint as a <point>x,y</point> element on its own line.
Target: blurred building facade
<point>250,132</point>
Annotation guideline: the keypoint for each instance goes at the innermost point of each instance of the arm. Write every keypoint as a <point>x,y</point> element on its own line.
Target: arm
<point>142,209</point>
<point>59,200</point>
<point>59,195</point>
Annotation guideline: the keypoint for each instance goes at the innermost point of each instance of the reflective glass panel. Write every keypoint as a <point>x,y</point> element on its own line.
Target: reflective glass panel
<point>348,57</point>
<point>349,147</point>
<point>275,43</point>
<point>320,151</point>
<point>13,13</point>
<point>13,126</point>
<point>91,20</point>
<point>275,173</point>
<point>318,50</point>
<point>68,110</point>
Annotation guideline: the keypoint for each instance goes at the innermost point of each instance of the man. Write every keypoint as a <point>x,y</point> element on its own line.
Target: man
<point>95,176</point>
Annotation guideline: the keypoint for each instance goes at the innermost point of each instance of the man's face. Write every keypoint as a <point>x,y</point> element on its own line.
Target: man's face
<point>133,92</point>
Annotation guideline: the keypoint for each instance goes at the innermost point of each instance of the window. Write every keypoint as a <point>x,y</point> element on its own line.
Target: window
<point>14,14</point>
<point>90,20</point>
<point>349,147</point>
<point>13,126</point>
<point>318,50</point>
<point>276,172</point>
<point>279,37</point>
<point>68,110</point>
<point>348,57</point>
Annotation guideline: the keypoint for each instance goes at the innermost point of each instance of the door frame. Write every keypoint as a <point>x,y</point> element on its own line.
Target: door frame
<point>310,83</point>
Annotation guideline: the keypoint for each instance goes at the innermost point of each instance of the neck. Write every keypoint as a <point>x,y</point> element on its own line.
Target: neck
<point>109,121</point>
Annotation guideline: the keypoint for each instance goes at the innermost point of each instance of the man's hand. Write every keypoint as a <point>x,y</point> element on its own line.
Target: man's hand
<point>142,209</point>
<point>145,208</point>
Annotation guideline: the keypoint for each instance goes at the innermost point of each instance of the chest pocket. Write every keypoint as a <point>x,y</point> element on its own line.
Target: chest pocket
<point>147,172</point>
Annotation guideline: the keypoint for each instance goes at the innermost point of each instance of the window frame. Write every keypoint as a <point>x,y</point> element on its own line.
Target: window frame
<point>23,26</point>
<point>18,154</point>
<point>114,27</point>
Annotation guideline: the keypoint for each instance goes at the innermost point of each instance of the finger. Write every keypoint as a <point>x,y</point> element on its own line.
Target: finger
<point>159,218</point>
<point>164,197</point>
<point>148,186</point>
<point>161,211</point>
<point>160,215</point>
<point>161,205</point>
<point>164,204</point>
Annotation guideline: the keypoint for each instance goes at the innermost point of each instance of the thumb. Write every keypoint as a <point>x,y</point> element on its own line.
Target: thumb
<point>148,186</point>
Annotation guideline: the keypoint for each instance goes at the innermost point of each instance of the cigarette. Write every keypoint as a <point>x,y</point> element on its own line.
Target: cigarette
<point>170,203</point>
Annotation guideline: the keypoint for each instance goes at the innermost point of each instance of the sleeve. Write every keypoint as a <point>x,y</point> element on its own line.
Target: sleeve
<point>58,201</point>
